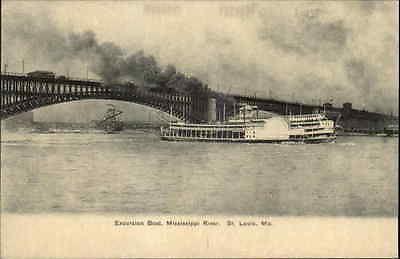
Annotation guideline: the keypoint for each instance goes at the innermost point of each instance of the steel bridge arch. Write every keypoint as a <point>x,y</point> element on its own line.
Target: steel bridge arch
<point>37,103</point>
<point>20,93</point>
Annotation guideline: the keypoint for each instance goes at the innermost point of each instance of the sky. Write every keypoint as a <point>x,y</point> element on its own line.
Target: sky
<point>310,52</point>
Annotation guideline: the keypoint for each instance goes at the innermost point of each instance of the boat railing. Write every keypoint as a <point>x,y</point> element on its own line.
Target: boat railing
<point>305,117</point>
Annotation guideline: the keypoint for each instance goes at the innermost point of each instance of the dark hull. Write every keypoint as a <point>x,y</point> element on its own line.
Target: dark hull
<point>115,129</point>
<point>311,141</point>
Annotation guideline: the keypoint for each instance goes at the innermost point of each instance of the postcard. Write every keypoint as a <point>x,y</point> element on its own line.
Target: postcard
<point>187,129</point>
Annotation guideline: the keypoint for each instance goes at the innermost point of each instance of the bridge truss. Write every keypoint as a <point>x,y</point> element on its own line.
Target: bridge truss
<point>21,93</point>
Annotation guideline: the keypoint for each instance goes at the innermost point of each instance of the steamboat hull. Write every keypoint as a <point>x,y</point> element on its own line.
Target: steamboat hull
<point>251,141</point>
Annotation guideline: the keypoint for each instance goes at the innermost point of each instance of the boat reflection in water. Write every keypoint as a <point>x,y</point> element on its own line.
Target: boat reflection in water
<point>248,128</point>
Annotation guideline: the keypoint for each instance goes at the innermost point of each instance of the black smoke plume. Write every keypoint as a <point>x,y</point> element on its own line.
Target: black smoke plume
<point>109,61</point>
<point>44,43</point>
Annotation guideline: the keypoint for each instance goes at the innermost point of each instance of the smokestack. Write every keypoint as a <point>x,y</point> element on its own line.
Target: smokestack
<point>212,109</point>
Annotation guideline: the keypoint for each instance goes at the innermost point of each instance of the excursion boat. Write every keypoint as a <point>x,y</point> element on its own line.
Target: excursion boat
<point>304,128</point>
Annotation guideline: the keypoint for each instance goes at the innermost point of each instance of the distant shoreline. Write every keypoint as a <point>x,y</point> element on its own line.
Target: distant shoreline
<point>46,126</point>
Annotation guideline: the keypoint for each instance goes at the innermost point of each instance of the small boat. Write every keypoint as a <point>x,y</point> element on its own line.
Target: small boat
<point>391,130</point>
<point>303,128</point>
<point>112,122</point>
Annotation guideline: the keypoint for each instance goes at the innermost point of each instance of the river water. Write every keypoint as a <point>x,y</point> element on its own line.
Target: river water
<point>135,172</point>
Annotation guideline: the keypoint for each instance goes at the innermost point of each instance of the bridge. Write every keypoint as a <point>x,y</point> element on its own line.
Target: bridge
<point>21,93</point>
